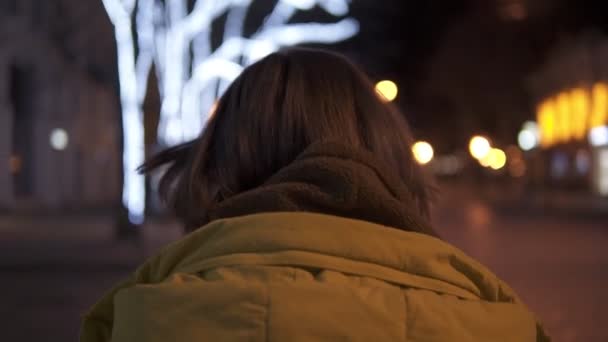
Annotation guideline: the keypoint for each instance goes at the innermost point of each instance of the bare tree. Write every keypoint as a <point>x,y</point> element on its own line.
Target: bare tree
<point>191,72</point>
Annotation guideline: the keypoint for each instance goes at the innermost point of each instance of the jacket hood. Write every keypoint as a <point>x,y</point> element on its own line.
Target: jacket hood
<point>334,179</point>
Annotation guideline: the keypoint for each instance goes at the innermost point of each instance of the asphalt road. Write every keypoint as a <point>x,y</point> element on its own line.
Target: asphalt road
<point>556,262</point>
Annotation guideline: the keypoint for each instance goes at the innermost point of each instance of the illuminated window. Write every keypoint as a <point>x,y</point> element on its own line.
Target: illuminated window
<point>599,111</point>
<point>563,120</point>
<point>580,113</point>
<point>546,120</point>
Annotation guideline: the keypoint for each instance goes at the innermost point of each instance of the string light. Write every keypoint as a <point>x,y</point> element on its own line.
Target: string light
<point>190,74</point>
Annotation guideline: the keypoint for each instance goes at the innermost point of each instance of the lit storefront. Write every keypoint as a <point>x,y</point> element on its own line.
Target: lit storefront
<point>574,137</point>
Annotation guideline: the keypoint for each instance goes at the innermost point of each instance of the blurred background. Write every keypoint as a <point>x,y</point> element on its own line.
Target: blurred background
<point>508,100</point>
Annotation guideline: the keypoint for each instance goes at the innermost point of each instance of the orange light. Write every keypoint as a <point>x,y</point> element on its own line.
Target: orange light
<point>546,121</point>
<point>599,110</point>
<point>423,152</point>
<point>479,147</point>
<point>496,159</point>
<point>14,164</point>
<point>563,121</point>
<point>387,89</point>
<point>579,115</point>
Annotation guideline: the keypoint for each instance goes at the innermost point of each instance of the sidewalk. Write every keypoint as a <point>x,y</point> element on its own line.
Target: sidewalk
<point>76,241</point>
<point>559,203</point>
<point>516,199</point>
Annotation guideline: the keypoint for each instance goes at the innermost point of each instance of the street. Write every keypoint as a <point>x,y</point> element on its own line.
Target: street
<point>557,264</point>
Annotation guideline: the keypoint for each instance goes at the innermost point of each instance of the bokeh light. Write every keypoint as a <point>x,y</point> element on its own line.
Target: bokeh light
<point>580,104</point>
<point>495,159</point>
<point>59,139</point>
<point>599,111</point>
<point>423,152</point>
<point>598,136</point>
<point>479,147</point>
<point>387,89</point>
<point>563,122</point>
<point>571,115</point>
<point>528,137</point>
<point>526,140</point>
<point>14,164</point>
<point>546,121</point>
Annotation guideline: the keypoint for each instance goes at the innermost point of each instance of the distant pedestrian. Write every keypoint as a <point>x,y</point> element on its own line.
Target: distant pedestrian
<point>309,221</point>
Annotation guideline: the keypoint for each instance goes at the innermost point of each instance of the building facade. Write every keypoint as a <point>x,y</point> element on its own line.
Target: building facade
<point>59,123</point>
<point>571,96</point>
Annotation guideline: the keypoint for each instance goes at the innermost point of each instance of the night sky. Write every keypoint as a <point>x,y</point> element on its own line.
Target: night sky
<point>461,65</point>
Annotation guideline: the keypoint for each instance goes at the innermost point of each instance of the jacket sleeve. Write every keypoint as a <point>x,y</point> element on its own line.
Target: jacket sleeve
<point>98,322</point>
<point>541,334</point>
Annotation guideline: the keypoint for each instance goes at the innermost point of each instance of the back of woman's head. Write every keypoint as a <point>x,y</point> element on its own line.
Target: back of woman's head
<point>270,114</point>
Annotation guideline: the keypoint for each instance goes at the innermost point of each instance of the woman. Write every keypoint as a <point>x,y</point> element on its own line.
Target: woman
<point>309,221</point>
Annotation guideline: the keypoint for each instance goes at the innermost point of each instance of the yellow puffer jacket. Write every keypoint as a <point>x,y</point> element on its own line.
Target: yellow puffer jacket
<point>310,277</point>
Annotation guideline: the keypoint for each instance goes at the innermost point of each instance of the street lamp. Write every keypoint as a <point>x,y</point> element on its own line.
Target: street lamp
<point>479,147</point>
<point>423,152</point>
<point>387,89</point>
<point>498,159</point>
<point>59,139</point>
<point>528,137</point>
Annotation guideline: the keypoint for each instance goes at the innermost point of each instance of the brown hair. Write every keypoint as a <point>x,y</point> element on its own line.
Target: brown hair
<point>274,110</point>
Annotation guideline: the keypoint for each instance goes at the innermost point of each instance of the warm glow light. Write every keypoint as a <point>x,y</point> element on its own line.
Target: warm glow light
<point>479,147</point>
<point>599,111</point>
<point>572,115</point>
<point>495,159</point>
<point>388,89</point>
<point>14,164</point>
<point>514,11</point>
<point>517,168</point>
<point>579,100</point>
<point>485,161</point>
<point>59,139</point>
<point>563,120</point>
<point>423,152</point>
<point>499,159</point>
<point>546,120</point>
